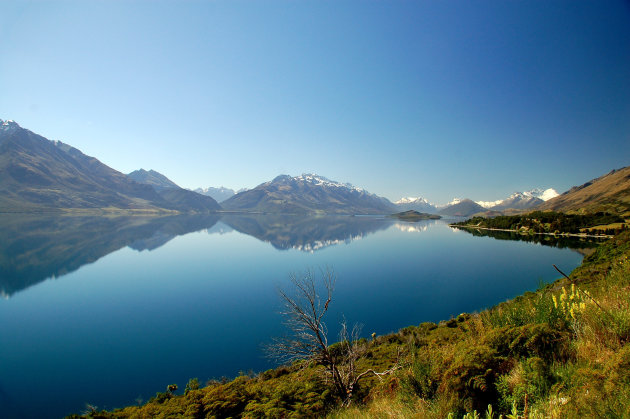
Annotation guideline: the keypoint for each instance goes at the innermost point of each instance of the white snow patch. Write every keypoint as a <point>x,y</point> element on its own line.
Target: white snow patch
<point>489,204</point>
<point>412,200</point>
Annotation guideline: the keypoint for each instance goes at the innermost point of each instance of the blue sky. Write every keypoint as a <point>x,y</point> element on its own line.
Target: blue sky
<point>440,99</point>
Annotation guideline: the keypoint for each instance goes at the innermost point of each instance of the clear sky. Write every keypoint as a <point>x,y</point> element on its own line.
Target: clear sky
<point>440,99</point>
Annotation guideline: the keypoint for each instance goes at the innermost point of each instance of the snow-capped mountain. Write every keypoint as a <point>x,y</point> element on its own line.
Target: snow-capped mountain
<point>415,203</point>
<point>545,194</point>
<point>219,194</point>
<point>8,125</point>
<point>455,201</point>
<point>322,181</point>
<point>308,193</point>
<point>520,200</point>
<point>489,204</point>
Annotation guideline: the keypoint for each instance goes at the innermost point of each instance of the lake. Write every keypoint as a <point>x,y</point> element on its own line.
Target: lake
<point>110,310</point>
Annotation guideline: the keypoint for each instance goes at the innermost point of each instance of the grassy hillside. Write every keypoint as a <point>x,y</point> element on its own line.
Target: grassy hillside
<point>610,193</point>
<point>563,351</point>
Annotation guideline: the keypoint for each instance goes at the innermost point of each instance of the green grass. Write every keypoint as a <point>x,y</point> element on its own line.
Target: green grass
<point>561,352</point>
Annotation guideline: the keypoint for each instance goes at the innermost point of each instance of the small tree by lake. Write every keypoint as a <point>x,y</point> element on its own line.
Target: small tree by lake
<point>304,311</point>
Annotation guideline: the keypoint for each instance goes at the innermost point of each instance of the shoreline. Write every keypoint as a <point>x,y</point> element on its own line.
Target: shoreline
<point>578,235</point>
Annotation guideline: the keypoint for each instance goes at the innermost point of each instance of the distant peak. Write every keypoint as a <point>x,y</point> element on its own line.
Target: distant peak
<point>412,199</point>
<point>489,204</point>
<point>548,194</point>
<point>280,178</point>
<point>8,125</point>
<point>544,194</point>
<point>315,179</point>
<point>323,181</point>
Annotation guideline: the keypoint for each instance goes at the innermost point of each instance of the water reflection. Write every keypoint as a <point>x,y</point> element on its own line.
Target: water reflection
<point>575,243</point>
<point>307,234</point>
<point>35,248</point>
<point>202,305</point>
<point>414,226</point>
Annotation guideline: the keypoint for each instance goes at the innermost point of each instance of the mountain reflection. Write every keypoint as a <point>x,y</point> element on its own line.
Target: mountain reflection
<point>307,234</point>
<point>34,248</point>
<point>415,226</point>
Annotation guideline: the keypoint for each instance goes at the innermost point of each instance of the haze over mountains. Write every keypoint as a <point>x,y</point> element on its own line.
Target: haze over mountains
<point>37,174</point>
<point>219,194</point>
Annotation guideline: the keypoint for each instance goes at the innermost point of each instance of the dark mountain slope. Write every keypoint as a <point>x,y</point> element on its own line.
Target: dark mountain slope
<point>36,173</point>
<point>178,198</point>
<point>463,208</point>
<point>518,201</point>
<point>185,200</point>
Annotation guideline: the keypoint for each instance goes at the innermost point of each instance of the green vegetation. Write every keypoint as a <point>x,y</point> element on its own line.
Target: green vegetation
<point>551,222</point>
<point>413,215</point>
<point>562,351</point>
<point>555,240</point>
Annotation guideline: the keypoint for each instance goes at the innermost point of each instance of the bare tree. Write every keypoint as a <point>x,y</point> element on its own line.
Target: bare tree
<point>304,312</point>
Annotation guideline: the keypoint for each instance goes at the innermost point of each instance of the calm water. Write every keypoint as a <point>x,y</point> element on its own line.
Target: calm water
<point>108,311</point>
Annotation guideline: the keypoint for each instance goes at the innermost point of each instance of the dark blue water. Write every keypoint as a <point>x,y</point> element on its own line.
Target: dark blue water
<point>110,311</point>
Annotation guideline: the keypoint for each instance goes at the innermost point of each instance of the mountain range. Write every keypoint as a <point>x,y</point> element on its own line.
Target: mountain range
<point>467,207</point>
<point>37,174</point>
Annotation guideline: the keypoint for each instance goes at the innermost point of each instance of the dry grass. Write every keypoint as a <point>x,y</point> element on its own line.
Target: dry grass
<point>593,381</point>
<point>386,408</point>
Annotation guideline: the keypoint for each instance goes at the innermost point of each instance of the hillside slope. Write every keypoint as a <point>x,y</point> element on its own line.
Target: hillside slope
<point>610,193</point>
<point>39,174</point>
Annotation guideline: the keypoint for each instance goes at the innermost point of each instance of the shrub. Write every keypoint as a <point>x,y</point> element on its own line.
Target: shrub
<point>470,376</point>
<point>192,384</point>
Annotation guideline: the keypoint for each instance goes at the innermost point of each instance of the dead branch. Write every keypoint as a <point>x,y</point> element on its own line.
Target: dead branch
<point>304,313</point>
